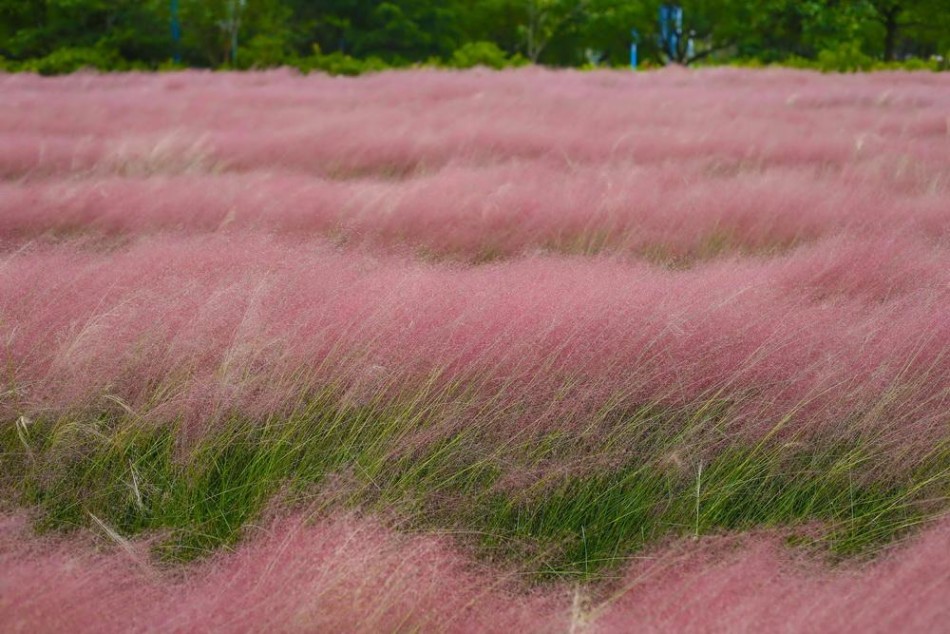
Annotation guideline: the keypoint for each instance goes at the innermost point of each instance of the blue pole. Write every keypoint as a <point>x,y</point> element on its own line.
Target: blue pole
<point>665,28</point>
<point>677,32</point>
<point>671,30</point>
<point>176,33</point>
<point>634,40</point>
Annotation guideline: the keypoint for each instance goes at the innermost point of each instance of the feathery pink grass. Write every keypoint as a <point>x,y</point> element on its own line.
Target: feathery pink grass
<point>841,331</point>
<point>404,122</point>
<point>671,164</point>
<point>529,255</point>
<point>349,575</point>
<point>503,210</point>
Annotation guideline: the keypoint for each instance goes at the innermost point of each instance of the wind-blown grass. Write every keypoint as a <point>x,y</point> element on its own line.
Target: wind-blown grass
<point>400,124</point>
<point>670,166</point>
<point>343,574</point>
<point>554,506</point>
<point>838,340</point>
<point>456,351</point>
<point>674,214</point>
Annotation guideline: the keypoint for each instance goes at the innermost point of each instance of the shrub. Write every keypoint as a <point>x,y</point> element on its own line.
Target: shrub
<point>845,58</point>
<point>488,54</point>
<point>912,64</point>
<point>68,60</point>
<point>263,51</point>
<point>170,66</point>
<point>338,63</point>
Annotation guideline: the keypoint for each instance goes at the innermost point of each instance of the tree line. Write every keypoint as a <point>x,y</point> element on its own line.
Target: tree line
<point>353,36</point>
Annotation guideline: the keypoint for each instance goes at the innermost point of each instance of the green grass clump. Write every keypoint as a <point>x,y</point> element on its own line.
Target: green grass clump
<point>521,503</point>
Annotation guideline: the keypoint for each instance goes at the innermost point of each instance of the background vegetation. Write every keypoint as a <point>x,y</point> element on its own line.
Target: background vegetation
<point>355,36</point>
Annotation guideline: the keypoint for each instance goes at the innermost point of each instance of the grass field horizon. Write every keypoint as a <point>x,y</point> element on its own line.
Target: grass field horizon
<point>475,351</point>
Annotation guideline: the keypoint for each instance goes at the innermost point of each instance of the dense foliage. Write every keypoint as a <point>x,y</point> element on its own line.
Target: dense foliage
<point>354,36</point>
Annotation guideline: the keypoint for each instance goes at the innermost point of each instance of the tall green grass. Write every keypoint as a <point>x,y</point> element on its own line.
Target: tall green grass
<point>556,504</point>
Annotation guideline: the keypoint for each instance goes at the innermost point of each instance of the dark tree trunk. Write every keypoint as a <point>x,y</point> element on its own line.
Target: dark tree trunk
<point>890,33</point>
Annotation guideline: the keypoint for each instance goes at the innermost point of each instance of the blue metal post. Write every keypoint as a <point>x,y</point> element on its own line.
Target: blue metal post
<point>671,29</point>
<point>677,32</point>
<point>665,28</point>
<point>176,33</point>
<point>635,39</point>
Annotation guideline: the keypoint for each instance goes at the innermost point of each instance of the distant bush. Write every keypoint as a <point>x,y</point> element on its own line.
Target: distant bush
<point>270,51</point>
<point>911,64</point>
<point>846,57</point>
<point>170,66</point>
<point>488,54</point>
<point>264,51</point>
<point>68,60</point>
<point>337,63</point>
<point>747,62</point>
<point>849,59</point>
<point>796,61</point>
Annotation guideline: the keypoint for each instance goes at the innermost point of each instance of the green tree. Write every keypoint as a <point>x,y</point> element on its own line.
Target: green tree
<point>925,22</point>
<point>262,33</point>
<point>36,28</point>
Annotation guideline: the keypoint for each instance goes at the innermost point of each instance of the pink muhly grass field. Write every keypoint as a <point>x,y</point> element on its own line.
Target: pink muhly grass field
<point>846,330</point>
<point>496,211</point>
<point>352,575</point>
<point>527,255</point>
<point>671,165</point>
<point>402,123</point>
